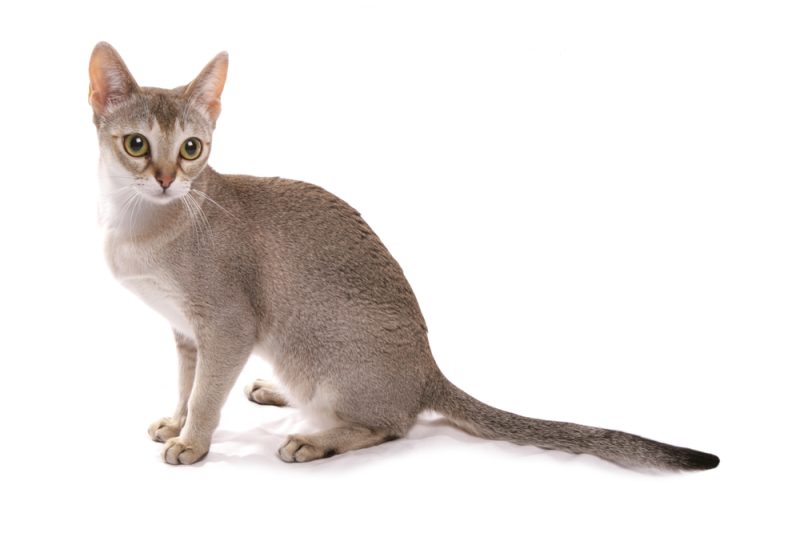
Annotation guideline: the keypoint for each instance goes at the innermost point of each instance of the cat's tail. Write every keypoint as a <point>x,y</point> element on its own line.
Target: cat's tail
<point>625,449</point>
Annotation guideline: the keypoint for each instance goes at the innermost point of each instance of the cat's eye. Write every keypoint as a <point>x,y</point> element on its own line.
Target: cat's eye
<point>191,149</point>
<point>136,145</point>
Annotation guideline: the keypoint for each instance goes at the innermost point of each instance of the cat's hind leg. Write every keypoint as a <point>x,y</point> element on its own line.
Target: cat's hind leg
<point>303,448</point>
<point>264,392</point>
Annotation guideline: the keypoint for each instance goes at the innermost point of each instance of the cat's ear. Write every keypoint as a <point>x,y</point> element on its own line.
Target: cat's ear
<point>206,89</point>
<point>110,82</point>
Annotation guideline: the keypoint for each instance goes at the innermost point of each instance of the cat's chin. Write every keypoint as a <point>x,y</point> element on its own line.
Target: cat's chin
<point>163,198</point>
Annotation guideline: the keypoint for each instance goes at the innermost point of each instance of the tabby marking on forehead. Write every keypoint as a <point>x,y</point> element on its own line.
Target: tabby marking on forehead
<point>159,105</point>
<point>167,109</point>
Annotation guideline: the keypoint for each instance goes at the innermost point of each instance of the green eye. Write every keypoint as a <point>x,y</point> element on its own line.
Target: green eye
<point>136,145</point>
<point>191,148</point>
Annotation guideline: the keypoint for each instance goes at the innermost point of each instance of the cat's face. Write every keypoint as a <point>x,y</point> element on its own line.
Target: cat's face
<point>153,142</point>
<point>154,145</point>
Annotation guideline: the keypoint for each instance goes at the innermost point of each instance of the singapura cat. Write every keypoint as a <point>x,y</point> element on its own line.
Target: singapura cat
<point>284,269</point>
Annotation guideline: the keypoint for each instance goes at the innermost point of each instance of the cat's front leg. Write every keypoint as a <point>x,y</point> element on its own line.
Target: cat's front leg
<point>220,359</point>
<point>167,428</point>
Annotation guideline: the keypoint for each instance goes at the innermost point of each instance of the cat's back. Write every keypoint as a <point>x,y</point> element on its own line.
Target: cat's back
<point>317,246</point>
<point>286,201</point>
<point>295,211</point>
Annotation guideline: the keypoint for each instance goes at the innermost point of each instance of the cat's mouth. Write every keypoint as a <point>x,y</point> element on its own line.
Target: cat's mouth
<point>164,196</point>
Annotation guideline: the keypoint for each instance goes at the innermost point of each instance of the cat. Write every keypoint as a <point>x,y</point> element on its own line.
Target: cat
<point>286,270</point>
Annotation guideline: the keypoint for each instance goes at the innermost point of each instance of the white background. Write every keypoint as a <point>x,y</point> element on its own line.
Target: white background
<point>595,202</point>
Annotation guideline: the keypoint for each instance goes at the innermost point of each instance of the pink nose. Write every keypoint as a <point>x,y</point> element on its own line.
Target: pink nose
<point>165,180</point>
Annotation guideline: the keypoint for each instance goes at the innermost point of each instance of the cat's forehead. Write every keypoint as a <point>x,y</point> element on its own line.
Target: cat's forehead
<point>162,109</point>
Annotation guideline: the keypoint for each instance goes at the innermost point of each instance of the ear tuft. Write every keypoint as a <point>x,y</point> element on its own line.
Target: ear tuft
<point>206,89</point>
<point>110,82</point>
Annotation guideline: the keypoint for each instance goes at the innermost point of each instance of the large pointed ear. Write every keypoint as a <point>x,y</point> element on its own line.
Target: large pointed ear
<point>110,82</point>
<point>205,91</point>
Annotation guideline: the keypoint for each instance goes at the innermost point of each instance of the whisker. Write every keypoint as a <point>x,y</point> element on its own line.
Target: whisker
<point>199,208</point>
<point>190,215</point>
<point>202,218</point>
<point>207,197</point>
<point>131,193</point>
<point>137,206</point>
<point>200,228</point>
<point>122,214</point>
<point>127,206</point>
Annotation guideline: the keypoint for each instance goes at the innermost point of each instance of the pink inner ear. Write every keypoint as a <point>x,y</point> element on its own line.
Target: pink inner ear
<point>206,89</point>
<point>110,82</point>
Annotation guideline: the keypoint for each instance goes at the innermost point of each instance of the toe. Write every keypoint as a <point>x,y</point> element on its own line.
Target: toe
<point>287,451</point>
<point>163,429</point>
<point>299,449</point>
<point>262,392</point>
<point>179,452</point>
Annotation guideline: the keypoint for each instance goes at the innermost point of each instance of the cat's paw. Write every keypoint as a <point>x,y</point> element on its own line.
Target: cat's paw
<point>178,451</point>
<point>300,449</point>
<point>163,429</point>
<point>263,392</point>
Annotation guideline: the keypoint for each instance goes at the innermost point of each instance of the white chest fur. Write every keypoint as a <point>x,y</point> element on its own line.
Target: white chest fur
<point>133,266</point>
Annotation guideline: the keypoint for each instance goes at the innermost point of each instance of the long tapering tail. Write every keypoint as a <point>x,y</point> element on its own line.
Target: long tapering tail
<point>625,449</point>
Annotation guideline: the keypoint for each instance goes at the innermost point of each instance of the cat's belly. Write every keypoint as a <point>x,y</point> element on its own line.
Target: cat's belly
<point>162,298</point>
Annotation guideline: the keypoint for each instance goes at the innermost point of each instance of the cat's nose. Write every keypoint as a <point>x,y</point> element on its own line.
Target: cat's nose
<point>165,179</point>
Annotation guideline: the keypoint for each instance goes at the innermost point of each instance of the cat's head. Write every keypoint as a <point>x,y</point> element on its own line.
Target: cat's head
<point>153,142</point>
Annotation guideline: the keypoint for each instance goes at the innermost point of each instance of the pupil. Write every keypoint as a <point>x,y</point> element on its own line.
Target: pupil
<point>137,143</point>
<point>191,147</point>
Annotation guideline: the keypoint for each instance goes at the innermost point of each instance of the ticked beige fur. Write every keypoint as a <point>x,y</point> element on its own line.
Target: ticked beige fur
<point>282,268</point>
